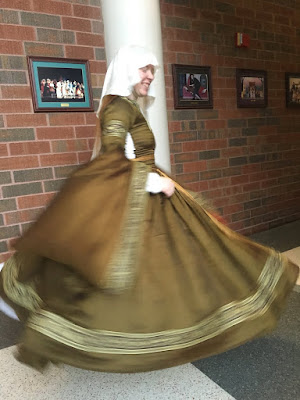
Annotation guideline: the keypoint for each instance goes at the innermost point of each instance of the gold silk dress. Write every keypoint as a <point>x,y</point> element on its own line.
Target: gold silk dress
<point>113,278</point>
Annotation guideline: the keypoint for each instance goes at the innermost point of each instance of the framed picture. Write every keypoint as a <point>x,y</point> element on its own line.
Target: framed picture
<point>192,86</point>
<point>292,89</point>
<point>59,84</point>
<point>252,88</point>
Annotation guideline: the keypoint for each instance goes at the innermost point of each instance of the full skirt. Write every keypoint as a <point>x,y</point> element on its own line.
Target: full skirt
<point>176,285</point>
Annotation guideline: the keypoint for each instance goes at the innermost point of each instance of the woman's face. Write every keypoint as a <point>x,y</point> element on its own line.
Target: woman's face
<point>147,76</point>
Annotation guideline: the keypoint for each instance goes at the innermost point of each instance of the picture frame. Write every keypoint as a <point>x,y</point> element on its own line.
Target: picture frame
<point>252,88</point>
<point>292,89</point>
<point>60,84</point>
<point>192,86</point>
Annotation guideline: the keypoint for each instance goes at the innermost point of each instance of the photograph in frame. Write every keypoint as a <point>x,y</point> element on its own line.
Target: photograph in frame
<point>192,86</point>
<point>292,87</point>
<point>60,84</point>
<point>252,89</point>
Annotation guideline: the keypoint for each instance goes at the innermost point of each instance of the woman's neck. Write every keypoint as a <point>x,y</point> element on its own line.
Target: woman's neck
<point>133,96</point>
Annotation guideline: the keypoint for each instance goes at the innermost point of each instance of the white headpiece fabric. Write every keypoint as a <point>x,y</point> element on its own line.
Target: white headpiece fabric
<point>122,74</point>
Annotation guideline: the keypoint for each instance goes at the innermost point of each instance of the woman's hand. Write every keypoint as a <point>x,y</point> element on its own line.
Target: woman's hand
<point>168,187</point>
<point>159,184</point>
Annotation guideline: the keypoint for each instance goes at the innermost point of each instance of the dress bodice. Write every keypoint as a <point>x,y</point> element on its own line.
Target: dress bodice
<point>141,133</point>
<point>121,116</point>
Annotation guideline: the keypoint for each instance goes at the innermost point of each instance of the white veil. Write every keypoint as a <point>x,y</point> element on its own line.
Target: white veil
<point>122,74</point>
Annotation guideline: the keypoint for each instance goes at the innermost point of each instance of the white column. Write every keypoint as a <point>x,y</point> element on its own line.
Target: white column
<point>137,22</point>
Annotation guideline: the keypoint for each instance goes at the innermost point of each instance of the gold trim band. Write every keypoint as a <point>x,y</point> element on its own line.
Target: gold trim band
<point>121,270</point>
<point>23,294</point>
<point>108,342</point>
<point>114,128</point>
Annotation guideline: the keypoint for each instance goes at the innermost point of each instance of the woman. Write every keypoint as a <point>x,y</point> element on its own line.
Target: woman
<point>124,273</point>
<point>194,86</point>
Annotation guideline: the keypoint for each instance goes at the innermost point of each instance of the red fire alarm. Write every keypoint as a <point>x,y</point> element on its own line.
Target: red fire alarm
<point>242,39</point>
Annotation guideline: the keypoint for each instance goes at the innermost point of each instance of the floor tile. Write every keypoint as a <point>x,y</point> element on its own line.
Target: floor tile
<point>67,383</point>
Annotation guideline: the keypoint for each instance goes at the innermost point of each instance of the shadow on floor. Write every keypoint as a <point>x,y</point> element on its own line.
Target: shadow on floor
<point>264,369</point>
<point>282,238</point>
<point>10,331</point>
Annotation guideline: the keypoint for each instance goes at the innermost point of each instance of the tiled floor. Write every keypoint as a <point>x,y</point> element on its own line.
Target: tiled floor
<point>265,369</point>
<point>66,383</point>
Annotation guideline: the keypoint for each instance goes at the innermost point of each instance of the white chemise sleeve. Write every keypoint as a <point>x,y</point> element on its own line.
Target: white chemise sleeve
<point>154,182</point>
<point>129,147</point>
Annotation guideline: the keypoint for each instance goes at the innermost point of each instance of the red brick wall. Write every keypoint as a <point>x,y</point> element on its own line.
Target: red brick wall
<point>38,150</point>
<point>246,161</point>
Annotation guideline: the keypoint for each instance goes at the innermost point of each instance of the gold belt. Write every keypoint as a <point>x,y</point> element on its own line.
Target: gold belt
<point>149,157</point>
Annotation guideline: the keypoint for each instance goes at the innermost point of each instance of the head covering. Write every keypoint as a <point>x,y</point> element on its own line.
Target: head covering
<point>121,77</point>
<point>122,74</point>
